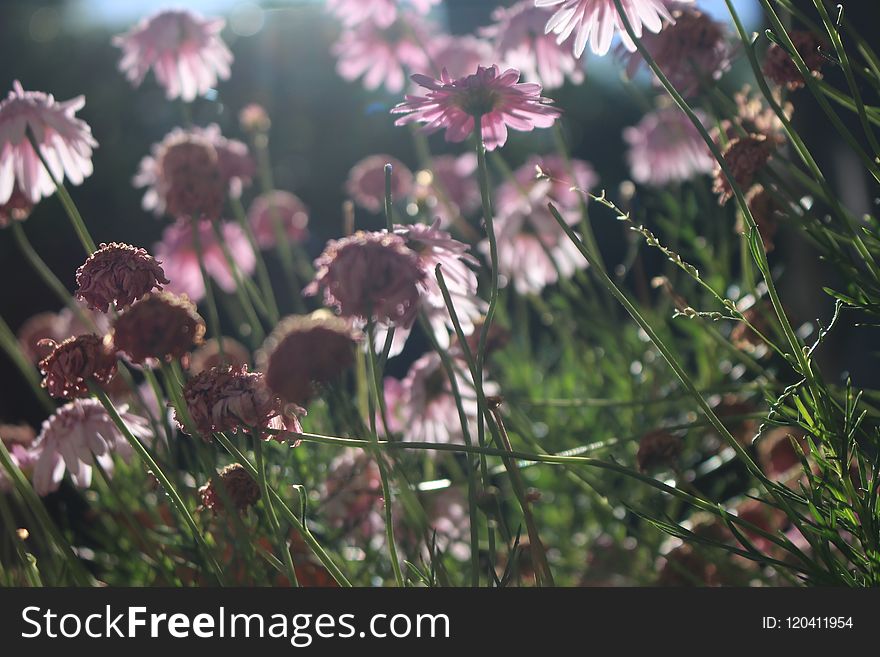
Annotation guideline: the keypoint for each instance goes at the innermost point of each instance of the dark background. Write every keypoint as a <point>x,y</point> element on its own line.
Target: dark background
<point>321,126</point>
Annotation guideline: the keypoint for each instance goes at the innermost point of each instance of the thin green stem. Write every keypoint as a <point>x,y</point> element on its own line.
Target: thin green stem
<point>273,518</point>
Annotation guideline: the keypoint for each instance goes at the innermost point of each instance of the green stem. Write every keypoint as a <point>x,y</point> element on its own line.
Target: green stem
<point>213,315</point>
<point>10,345</point>
<point>262,271</point>
<point>273,519</point>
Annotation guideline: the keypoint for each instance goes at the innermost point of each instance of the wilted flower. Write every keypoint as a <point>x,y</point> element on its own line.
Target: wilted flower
<point>745,156</point>
<point>284,208</point>
<point>658,449</point>
<point>117,274</point>
<point>366,181</point>
<point>521,43</point>
<point>77,435</point>
<point>65,142</point>
<point>764,211</point>
<point>689,51</point>
<point>229,398</point>
<point>160,326</point>
<point>598,21</point>
<point>380,12</point>
<point>499,99</point>
<point>49,327</point>
<point>184,50</point>
<point>306,352</point>
<point>180,259</point>
<point>210,355</point>
<point>665,147</point>
<point>239,488</point>
<point>754,116</point>
<point>351,499</point>
<point>72,364</point>
<point>17,208</point>
<point>780,67</point>
<point>190,172</point>
<point>382,55</point>
<point>450,181</point>
<point>370,275</point>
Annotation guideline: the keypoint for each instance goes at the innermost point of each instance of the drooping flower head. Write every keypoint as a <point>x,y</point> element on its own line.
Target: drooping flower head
<point>72,364</point>
<point>190,172</point>
<point>765,211</point>
<point>370,275</point>
<point>77,435</point>
<point>366,181</point>
<point>65,142</point>
<point>238,487</point>
<point>521,42</point>
<point>379,12</point>
<point>118,274</point>
<point>692,50</point>
<point>304,353</point>
<point>780,68</point>
<point>160,326</point>
<point>184,50</point>
<point>180,258</point>
<point>283,208</point>
<point>745,157</point>
<point>597,21</point>
<point>499,99</point>
<point>382,55</point>
<point>38,333</point>
<point>229,398</point>
<point>665,147</point>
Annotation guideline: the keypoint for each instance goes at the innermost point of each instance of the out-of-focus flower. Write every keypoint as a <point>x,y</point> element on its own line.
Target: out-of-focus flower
<point>57,327</point>
<point>65,142</point>
<point>564,182</point>
<point>597,21</point>
<point>239,488</point>
<point>284,208</point>
<point>351,498</point>
<point>665,147</point>
<point>497,339</point>
<point>745,156</point>
<point>77,435</point>
<point>253,118</point>
<point>499,99</point>
<point>764,211</point>
<point>754,116</point>
<point>437,247</point>
<point>184,50</point>
<point>161,326</point>
<point>382,55</point>
<point>18,439</point>
<point>180,259</point>
<point>744,337</point>
<point>370,275</point>
<point>658,449</point>
<point>17,434</point>
<point>427,408</point>
<point>521,43</point>
<point>305,352</point>
<point>72,364</point>
<point>210,355</point>
<point>366,181</point>
<point>17,208</point>
<point>460,55</point>
<point>780,67</point>
<point>449,523</point>
<point>190,172</point>
<point>380,12</point>
<point>229,398</point>
<point>692,50</point>
<point>118,274</point>
<point>450,181</point>
<point>776,454</point>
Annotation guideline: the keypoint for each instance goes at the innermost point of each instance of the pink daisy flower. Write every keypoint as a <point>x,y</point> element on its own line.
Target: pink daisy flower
<point>184,50</point>
<point>284,208</point>
<point>366,181</point>
<point>379,12</point>
<point>65,142</point>
<point>450,181</point>
<point>499,99</point>
<point>230,161</point>
<point>665,147</point>
<point>597,21</point>
<point>75,437</point>
<point>382,55</point>
<point>521,43</point>
<point>179,258</point>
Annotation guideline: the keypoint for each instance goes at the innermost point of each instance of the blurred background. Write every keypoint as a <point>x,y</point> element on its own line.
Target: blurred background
<point>321,126</point>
